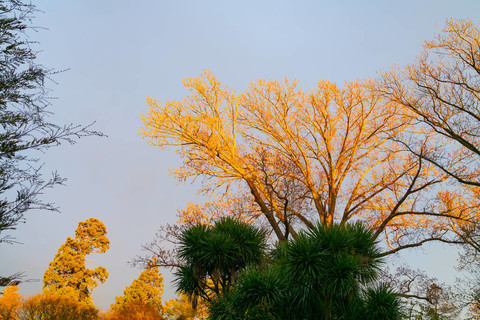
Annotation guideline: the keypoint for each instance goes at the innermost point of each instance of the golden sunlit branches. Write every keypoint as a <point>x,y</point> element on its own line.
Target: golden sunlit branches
<point>328,137</point>
<point>210,212</point>
<point>328,154</point>
<point>205,129</point>
<point>443,91</point>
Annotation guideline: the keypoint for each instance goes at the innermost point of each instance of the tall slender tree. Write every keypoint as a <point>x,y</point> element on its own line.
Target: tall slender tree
<point>25,130</point>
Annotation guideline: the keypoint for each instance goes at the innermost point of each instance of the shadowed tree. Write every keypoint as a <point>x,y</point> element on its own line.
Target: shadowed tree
<point>441,89</point>
<point>25,131</point>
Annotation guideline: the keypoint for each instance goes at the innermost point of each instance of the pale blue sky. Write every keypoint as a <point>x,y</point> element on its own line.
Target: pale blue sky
<point>120,51</point>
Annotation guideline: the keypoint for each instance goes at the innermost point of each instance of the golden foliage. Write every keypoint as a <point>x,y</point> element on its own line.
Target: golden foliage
<point>67,275</point>
<point>328,154</point>
<point>49,306</point>
<point>137,310</point>
<point>181,309</point>
<point>10,302</point>
<point>442,93</point>
<point>210,212</point>
<point>146,290</point>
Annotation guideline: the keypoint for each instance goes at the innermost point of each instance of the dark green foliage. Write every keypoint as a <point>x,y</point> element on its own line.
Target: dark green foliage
<point>325,273</point>
<point>261,288</point>
<point>256,291</point>
<point>213,256</point>
<point>381,304</point>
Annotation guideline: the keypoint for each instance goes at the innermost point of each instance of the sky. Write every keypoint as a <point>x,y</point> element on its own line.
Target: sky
<point>117,52</point>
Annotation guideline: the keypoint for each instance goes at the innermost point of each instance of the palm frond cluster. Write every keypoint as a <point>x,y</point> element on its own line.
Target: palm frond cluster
<point>327,272</point>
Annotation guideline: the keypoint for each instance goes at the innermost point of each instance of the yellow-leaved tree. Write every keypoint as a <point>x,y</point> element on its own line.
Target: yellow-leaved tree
<point>287,157</point>
<point>67,274</point>
<point>10,302</point>
<point>181,308</point>
<point>146,291</point>
<point>50,306</point>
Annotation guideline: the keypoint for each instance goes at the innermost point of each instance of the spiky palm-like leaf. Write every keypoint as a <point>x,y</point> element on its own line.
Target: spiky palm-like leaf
<point>381,303</point>
<point>213,256</point>
<point>304,258</point>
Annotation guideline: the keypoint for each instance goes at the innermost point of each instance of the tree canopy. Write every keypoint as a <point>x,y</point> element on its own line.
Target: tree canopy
<point>328,272</point>
<point>293,157</point>
<point>67,274</point>
<point>398,152</point>
<point>147,289</point>
<point>442,92</point>
<point>213,256</point>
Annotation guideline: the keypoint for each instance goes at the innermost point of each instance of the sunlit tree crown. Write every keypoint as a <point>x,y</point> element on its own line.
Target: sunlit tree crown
<point>66,274</point>
<point>146,289</point>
